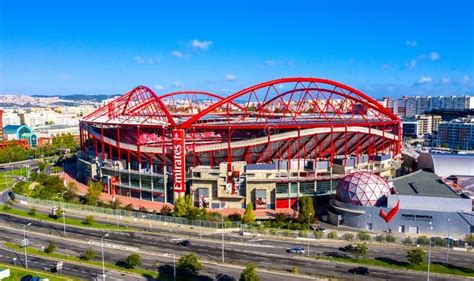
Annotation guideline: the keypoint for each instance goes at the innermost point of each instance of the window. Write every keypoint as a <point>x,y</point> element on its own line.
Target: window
<point>282,188</point>
<point>368,226</point>
<point>401,228</point>
<point>294,187</point>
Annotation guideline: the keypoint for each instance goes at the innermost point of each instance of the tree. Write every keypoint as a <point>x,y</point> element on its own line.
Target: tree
<point>306,209</point>
<point>249,214</point>
<point>51,248</point>
<point>363,236</point>
<point>71,191</point>
<point>249,274</point>
<point>235,217</point>
<point>133,260</point>
<point>180,207</point>
<point>360,251</point>
<point>416,256</point>
<point>93,193</point>
<point>189,265</point>
<point>89,254</point>
<point>422,240</point>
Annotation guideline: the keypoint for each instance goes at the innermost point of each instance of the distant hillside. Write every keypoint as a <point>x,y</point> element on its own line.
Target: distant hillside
<point>79,97</point>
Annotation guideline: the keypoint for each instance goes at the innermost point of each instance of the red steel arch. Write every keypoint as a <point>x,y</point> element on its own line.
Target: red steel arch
<point>139,106</point>
<point>270,89</point>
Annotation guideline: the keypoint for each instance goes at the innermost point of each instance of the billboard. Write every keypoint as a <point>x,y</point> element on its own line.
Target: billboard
<point>179,169</point>
<point>260,199</point>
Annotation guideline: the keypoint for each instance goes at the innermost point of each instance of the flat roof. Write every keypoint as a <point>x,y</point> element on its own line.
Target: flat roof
<point>422,183</point>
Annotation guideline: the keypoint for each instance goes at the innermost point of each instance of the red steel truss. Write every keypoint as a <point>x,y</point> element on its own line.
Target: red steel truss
<point>288,118</point>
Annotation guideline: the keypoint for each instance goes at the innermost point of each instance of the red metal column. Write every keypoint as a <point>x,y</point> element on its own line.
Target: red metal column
<point>229,151</point>
<point>119,153</point>
<point>163,147</point>
<point>299,149</point>
<point>345,145</point>
<point>102,142</point>
<point>138,148</point>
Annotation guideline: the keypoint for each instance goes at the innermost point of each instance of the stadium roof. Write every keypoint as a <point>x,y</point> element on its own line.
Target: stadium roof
<point>422,183</point>
<point>446,164</point>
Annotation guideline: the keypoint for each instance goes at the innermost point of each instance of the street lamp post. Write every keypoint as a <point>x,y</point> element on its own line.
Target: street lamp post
<point>14,261</point>
<point>222,217</point>
<point>447,244</point>
<point>429,253</point>
<point>25,244</point>
<point>64,211</point>
<point>174,266</point>
<point>103,262</point>
<point>308,228</point>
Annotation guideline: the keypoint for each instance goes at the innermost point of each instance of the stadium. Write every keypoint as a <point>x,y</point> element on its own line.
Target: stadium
<point>267,144</point>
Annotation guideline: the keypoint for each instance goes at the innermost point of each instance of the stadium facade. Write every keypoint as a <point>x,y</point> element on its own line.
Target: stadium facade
<point>267,144</point>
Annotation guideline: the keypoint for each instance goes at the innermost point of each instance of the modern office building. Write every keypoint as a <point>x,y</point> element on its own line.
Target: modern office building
<point>407,107</point>
<point>457,134</point>
<point>267,144</point>
<point>20,132</point>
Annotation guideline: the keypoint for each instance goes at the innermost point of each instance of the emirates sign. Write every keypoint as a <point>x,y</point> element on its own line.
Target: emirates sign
<point>179,174</point>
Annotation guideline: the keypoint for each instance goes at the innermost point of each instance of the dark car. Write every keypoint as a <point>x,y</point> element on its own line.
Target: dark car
<point>30,278</point>
<point>184,243</point>
<point>361,270</point>
<point>296,250</point>
<point>349,248</point>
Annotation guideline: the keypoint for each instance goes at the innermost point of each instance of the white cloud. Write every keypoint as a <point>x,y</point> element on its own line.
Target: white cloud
<point>230,77</point>
<point>465,79</point>
<point>423,80</point>
<point>177,54</point>
<point>139,60</point>
<point>445,81</point>
<point>288,63</point>
<point>148,60</point>
<point>411,43</point>
<point>177,84</point>
<point>158,87</point>
<point>64,76</point>
<point>411,64</point>
<point>201,45</point>
<point>434,56</point>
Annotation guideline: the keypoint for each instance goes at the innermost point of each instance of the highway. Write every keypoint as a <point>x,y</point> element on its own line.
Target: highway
<point>160,246</point>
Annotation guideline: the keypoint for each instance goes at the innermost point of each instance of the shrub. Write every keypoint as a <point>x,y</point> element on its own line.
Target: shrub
<point>318,234</point>
<point>166,210</point>
<point>272,231</point>
<point>189,265</point>
<point>287,232</point>
<point>380,238</point>
<point>294,270</point>
<point>407,241</point>
<point>89,220</point>
<point>416,256</point>
<point>390,238</point>
<point>332,235</point>
<point>32,212</point>
<point>89,254</point>
<point>51,248</point>
<point>348,236</point>
<point>303,233</point>
<point>422,240</point>
<point>249,274</point>
<point>133,260</point>
<point>361,250</point>
<point>235,217</point>
<point>363,236</point>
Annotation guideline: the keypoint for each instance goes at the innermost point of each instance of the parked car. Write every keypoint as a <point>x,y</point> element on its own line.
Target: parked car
<point>361,270</point>
<point>321,229</point>
<point>295,250</point>
<point>184,243</point>
<point>349,248</point>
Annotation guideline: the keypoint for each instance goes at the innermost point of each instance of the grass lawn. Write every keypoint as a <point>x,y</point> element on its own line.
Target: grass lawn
<point>398,265</point>
<point>6,179</point>
<point>16,273</point>
<point>69,221</point>
<point>58,256</point>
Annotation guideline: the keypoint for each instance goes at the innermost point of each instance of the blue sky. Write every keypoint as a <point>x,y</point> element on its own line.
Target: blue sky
<point>108,47</point>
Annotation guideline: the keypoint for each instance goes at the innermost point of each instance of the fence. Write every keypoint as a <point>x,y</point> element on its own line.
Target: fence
<point>134,215</point>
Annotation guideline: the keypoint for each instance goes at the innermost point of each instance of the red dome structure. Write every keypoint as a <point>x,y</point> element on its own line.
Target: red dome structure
<point>363,188</point>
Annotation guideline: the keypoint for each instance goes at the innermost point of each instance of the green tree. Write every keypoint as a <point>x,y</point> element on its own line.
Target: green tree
<point>71,191</point>
<point>249,214</point>
<point>422,240</point>
<point>188,266</point>
<point>306,209</point>
<point>332,235</point>
<point>51,248</point>
<point>89,254</point>
<point>133,260</point>
<point>348,236</point>
<point>249,274</point>
<point>360,251</point>
<point>363,236</point>
<point>180,207</point>
<point>93,193</point>
<point>416,256</point>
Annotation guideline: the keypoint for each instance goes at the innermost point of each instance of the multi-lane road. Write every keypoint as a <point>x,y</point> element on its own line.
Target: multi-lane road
<point>160,246</point>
